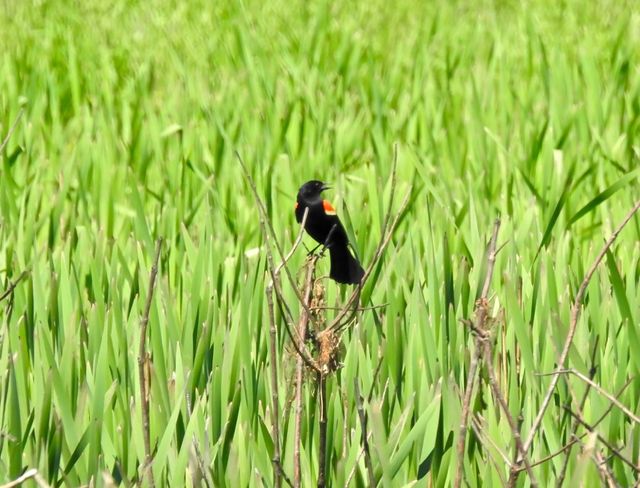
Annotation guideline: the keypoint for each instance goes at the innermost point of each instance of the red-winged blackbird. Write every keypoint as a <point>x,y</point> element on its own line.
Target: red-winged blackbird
<point>325,227</point>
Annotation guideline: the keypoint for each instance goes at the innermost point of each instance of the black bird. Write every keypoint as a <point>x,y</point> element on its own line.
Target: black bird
<point>325,227</point>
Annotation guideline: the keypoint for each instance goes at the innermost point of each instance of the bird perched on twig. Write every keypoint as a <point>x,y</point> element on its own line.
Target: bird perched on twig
<point>325,227</point>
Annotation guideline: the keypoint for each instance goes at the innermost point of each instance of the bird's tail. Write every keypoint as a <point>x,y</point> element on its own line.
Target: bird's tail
<point>345,268</point>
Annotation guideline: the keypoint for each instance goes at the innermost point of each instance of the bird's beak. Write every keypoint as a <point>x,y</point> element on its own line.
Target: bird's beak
<point>325,187</point>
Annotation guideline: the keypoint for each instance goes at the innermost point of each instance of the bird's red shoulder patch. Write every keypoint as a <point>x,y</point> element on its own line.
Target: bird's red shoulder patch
<point>296,207</point>
<point>328,208</point>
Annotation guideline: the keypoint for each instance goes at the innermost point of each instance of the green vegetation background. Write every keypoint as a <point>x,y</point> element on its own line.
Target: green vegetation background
<point>528,111</point>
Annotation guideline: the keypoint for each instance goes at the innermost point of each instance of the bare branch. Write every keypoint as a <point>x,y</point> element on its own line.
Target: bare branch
<point>598,388</point>
<point>481,313</point>
<point>477,427</point>
<point>488,361</point>
<point>12,285</point>
<point>477,430</point>
<point>610,446</point>
<point>592,372</point>
<point>27,475</point>
<point>265,223</point>
<point>321,382</point>
<point>384,394</point>
<point>275,275</point>
<point>302,332</point>
<point>578,438</point>
<point>575,315</point>
<point>286,479</point>
<point>275,397</point>
<point>359,309</point>
<point>142,362</point>
<point>466,404</point>
<point>342,320</point>
<point>355,465</point>
<point>270,236</point>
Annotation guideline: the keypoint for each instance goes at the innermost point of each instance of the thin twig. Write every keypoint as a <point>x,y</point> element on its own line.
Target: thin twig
<point>599,460</point>
<point>355,465</point>
<point>488,362</point>
<point>322,437</point>
<point>575,315</point>
<point>270,237</point>
<point>276,274</point>
<point>481,313</point>
<point>342,320</point>
<point>286,479</point>
<point>275,398</point>
<point>466,403</point>
<point>12,285</point>
<point>598,388</point>
<point>11,130</point>
<point>610,446</point>
<point>363,425</point>
<point>200,464</point>
<point>374,380</point>
<point>302,332</point>
<point>266,223</point>
<point>477,430</point>
<point>142,359</point>
<point>477,427</point>
<point>578,438</point>
<point>27,475</point>
<point>359,309</point>
<point>592,373</point>
<point>384,394</point>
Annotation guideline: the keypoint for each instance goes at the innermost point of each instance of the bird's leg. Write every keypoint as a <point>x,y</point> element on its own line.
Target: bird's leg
<point>313,250</point>
<point>325,245</point>
<point>327,242</point>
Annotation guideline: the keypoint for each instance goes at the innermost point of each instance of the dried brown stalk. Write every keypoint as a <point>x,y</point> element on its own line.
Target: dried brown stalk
<point>143,359</point>
<point>481,315</point>
<point>302,332</point>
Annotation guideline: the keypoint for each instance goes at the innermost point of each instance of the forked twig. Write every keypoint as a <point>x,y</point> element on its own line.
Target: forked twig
<point>481,315</point>
<point>349,310</point>
<point>265,222</point>
<point>142,359</point>
<point>279,473</point>
<point>502,402</point>
<point>297,332</point>
<point>585,395</point>
<point>610,446</point>
<point>578,438</point>
<point>270,236</point>
<point>344,317</point>
<point>485,439</point>
<point>575,315</point>
<point>598,388</point>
